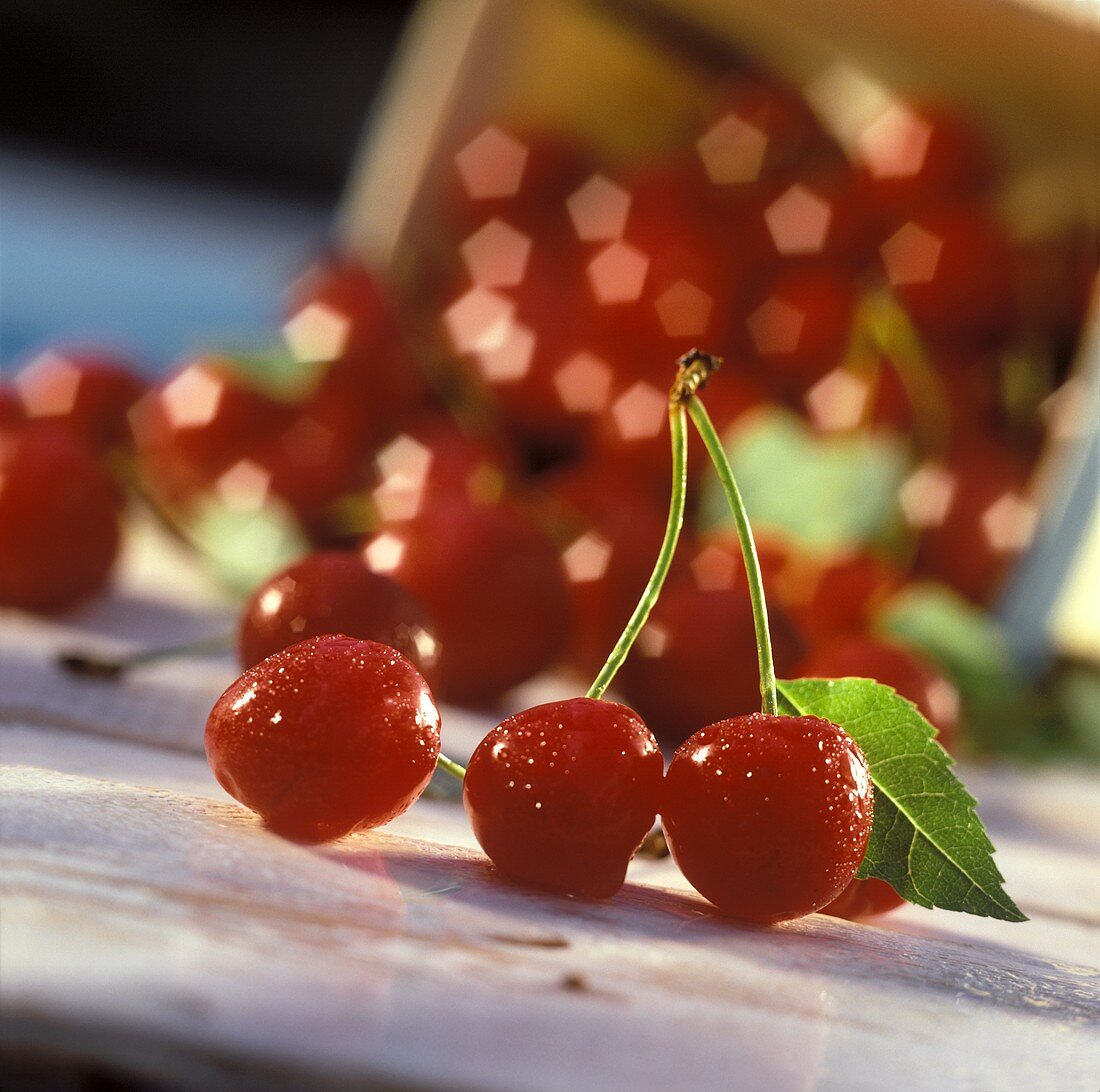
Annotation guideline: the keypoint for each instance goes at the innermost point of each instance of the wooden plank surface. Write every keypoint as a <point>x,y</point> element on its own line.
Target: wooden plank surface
<point>150,926</point>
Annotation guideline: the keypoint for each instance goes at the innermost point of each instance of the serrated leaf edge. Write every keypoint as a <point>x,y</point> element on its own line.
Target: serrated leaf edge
<point>1012,911</point>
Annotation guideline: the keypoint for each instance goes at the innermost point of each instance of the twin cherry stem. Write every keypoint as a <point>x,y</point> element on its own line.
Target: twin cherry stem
<point>695,368</point>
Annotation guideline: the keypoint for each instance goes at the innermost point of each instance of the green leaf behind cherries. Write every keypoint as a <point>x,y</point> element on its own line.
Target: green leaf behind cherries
<point>826,493</point>
<point>927,841</point>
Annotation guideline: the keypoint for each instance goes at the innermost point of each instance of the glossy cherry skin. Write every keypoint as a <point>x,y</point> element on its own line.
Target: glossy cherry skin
<point>326,737</point>
<point>695,659</point>
<point>491,581</point>
<point>909,674</point>
<point>59,511</point>
<point>864,899</point>
<point>560,796</point>
<point>768,816</point>
<point>88,393</point>
<point>332,591</point>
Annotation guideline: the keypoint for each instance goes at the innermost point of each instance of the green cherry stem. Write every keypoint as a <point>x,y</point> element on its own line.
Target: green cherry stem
<point>701,419</point>
<point>678,430</point>
<point>92,666</point>
<point>452,767</point>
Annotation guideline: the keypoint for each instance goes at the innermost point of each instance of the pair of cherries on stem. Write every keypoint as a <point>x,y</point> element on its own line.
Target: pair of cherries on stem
<point>768,816</point>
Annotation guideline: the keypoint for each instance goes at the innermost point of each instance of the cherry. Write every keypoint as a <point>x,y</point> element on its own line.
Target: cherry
<point>800,323</point>
<point>768,816</point>
<point>753,131</point>
<point>610,533</point>
<point>342,314</point>
<point>198,424</point>
<point>89,393</point>
<point>973,514</point>
<point>561,796</point>
<point>836,595</point>
<point>432,459</point>
<point>59,512</point>
<point>695,659</point>
<point>864,899</point>
<point>906,671</point>
<point>632,437</point>
<point>951,267</point>
<point>493,584</point>
<point>334,592</point>
<point>326,737</point>
<point>911,153</point>
<point>11,408</point>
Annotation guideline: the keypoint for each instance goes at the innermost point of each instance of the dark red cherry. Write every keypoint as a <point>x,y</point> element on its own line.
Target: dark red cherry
<point>864,899</point>
<point>799,325</point>
<point>974,516</point>
<point>695,659</point>
<point>610,532</point>
<point>836,595</point>
<point>90,393</point>
<point>11,408</point>
<point>431,459</point>
<point>753,131</point>
<point>632,437</point>
<point>913,153</point>
<point>59,512</point>
<point>331,591</point>
<point>908,673</point>
<point>560,796</point>
<point>491,581</point>
<point>951,267</point>
<point>199,423</point>
<point>343,315</point>
<point>768,816</point>
<point>326,737</point>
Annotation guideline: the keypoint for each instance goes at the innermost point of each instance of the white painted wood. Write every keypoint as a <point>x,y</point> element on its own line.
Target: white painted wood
<point>151,927</point>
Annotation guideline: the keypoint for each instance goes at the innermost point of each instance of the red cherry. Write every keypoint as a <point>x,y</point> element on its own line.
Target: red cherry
<point>432,459</point>
<point>754,131</point>
<point>610,533</point>
<point>837,595</point>
<point>89,393</point>
<point>530,345</point>
<point>973,514</point>
<point>343,315</point>
<point>11,408</point>
<point>695,659</point>
<point>864,899</point>
<point>632,437</point>
<point>909,674</point>
<point>951,267</point>
<point>326,737</point>
<point>491,581</point>
<point>520,175</point>
<point>768,816</point>
<point>911,153</point>
<point>560,796</point>
<point>334,592</point>
<point>198,424</point>
<point>59,512</point>
<point>799,325</point>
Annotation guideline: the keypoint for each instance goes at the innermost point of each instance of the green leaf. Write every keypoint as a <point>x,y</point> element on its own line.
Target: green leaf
<point>1001,714</point>
<point>824,493</point>
<point>927,841</point>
